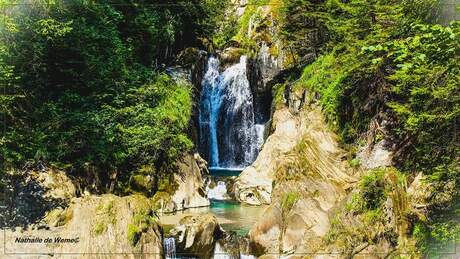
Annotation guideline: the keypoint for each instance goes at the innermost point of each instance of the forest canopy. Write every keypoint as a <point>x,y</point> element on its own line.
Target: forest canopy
<point>82,81</point>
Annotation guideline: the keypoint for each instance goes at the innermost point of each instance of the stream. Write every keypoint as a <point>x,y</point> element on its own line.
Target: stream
<point>231,215</point>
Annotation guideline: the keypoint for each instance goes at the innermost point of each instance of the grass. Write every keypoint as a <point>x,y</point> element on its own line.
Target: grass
<point>140,223</point>
<point>106,214</point>
<point>289,199</point>
<point>133,234</point>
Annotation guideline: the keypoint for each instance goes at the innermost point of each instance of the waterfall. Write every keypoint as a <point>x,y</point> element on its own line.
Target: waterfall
<point>169,247</point>
<point>219,192</point>
<point>260,132</point>
<point>228,136</point>
<point>220,253</point>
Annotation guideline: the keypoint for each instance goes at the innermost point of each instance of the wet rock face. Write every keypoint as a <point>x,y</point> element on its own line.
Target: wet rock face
<point>259,80</point>
<point>197,235</point>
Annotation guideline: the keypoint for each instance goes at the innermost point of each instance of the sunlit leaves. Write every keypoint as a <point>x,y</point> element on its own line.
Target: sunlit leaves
<point>50,28</point>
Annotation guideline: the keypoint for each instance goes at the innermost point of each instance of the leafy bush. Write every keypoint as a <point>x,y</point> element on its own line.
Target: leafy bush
<point>441,235</point>
<point>408,78</point>
<point>372,189</point>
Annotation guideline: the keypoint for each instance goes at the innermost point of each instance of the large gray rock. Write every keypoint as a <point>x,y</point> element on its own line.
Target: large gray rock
<point>197,235</point>
<point>189,182</point>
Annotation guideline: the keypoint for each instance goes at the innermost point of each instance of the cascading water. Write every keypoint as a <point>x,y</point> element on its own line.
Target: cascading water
<point>228,134</point>
<point>169,246</point>
<point>218,192</point>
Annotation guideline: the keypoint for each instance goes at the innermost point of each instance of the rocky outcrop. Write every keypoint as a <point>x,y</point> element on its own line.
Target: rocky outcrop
<point>310,182</point>
<point>190,181</point>
<point>375,155</point>
<point>29,194</point>
<point>302,173</point>
<point>254,185</point>
<point>103,226</point>
<point>197,235</point>
<point>292,125</point>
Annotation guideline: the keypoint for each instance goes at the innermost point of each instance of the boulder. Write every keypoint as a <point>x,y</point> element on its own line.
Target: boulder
<point>190,181</point>
<point>197,235</point>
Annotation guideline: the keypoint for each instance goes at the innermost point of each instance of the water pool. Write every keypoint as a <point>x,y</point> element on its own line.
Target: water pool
<point>231,216</point>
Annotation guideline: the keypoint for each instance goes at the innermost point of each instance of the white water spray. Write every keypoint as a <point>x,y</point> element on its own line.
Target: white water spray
<point>227,129</point>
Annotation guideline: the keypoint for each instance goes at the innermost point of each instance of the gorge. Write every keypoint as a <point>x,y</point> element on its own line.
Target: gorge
<point>230,128</point>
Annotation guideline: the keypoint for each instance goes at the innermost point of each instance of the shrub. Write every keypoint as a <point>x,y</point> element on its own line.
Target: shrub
<point>372,189</point>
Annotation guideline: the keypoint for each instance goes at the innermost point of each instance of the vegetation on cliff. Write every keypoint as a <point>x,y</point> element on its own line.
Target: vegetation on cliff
<point>381,70</point>
<point>386,69</point>
<point>83,87</point>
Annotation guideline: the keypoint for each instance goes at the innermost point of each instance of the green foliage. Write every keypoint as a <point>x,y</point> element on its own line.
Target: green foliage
<point>82,83</point>
<point>427,94</point>
<point>252,27</point>
<point>411,75</point>
<point>133,234</point>
<point>354,163</point>
<point>441,236</point>
<point>383,62</point>
<point>278,94</point>
<point>99,228</point>
<point>141,222</point>
<point>420,10</point>
<point>372,190</point>
<point>289,199</point>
